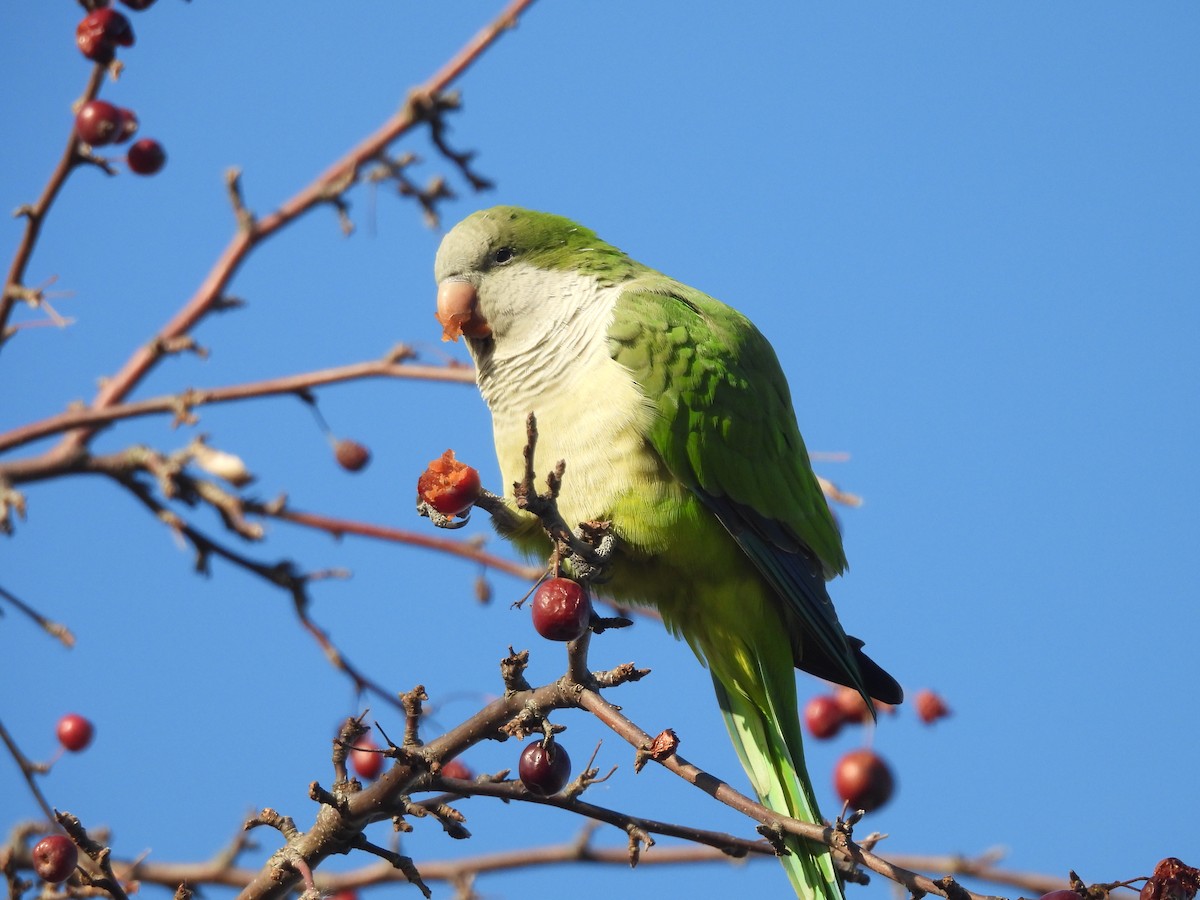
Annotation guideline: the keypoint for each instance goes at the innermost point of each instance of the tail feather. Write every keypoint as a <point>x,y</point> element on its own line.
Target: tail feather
<point>766,735</point>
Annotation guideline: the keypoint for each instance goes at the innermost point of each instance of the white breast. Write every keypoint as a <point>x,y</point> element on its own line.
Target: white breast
<point>554,362</point>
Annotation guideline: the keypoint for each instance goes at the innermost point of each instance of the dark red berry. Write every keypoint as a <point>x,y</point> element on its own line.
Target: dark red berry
<point>561,609</point>
<point>75,732</point>
<point>456,768</point>
<point>127,125</point>
<point>351,455</point>
<point>1064,894</point>
<point>930,706</point>
<point>449,486</point>
<point>367,762</point>
<point>101,32</point>
<point>863,779</point>
<point>823,716</point>
<point>854,707</point>
<point>146,157</point>
<point>54,858</point>
<point>98,122</point>
<point>139,5</point>
<point>544,770</point>
<point>347,894</point>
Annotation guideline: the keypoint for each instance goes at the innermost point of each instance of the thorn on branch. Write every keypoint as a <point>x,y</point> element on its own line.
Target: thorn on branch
<point>225,303</point>
<point>233,184</point>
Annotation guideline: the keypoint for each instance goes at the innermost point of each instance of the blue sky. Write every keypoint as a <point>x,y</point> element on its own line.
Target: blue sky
<point>970,231</point>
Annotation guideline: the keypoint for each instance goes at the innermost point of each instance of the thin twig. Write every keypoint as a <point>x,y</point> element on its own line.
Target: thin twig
<point>181,404</point>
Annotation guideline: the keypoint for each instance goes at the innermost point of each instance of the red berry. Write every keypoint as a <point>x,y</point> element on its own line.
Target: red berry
<point>138,4</point>
<point>456,768</point>
<point>351,455</point>
<point>544,770</point>
<point>75,732</point>
<point>127,125</point>
<point>98,122</point>
<point>449,486</point>
<point>1064,894</point>
<point>348,893</point>
<point>366,761</point>
<point>561,609</point>
<point>862,778</point>
<point>101,32</point>
<point>823,716</point>
<point>930,706</point>
<point>54,858</point>
<point>146,157</point>
<point>854,707</point>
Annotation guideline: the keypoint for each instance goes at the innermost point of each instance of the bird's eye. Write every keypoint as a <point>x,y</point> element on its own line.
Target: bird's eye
<point>503,255</point>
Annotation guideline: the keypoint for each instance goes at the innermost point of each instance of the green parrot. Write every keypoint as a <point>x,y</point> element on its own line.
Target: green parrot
<point>676,425</point>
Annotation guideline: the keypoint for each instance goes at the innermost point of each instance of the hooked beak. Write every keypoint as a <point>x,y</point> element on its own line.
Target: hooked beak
<point>458,311</point>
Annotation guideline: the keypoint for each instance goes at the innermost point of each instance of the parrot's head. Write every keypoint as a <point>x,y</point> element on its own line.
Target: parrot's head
<point>505,273</point>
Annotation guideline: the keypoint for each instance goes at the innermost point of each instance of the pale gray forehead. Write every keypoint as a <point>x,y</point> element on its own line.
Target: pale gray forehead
<point>463,247</point>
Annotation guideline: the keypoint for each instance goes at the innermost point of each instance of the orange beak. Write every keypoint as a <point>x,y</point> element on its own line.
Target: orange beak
<point>458,311</point>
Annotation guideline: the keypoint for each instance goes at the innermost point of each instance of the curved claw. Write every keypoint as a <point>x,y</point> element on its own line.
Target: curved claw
<point>441,520</point>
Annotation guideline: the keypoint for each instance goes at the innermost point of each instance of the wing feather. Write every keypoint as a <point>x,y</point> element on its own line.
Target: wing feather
<point>726,428</point>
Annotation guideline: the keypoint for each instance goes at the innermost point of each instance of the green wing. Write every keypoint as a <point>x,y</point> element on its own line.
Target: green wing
<point>725,427</point>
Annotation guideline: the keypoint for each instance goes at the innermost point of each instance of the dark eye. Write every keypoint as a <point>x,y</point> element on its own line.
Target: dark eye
<point>503,255</point>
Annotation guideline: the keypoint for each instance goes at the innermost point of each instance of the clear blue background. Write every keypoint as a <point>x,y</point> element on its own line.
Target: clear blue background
<point>971,231</point>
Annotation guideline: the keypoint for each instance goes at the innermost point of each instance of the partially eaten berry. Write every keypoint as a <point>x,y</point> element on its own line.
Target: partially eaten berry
<point>449,486</point>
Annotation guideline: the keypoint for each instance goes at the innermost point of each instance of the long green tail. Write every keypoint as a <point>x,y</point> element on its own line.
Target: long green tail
<point>766,734</point>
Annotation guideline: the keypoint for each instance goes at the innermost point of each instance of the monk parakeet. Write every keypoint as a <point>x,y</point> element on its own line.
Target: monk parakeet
<point>676,425</point>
